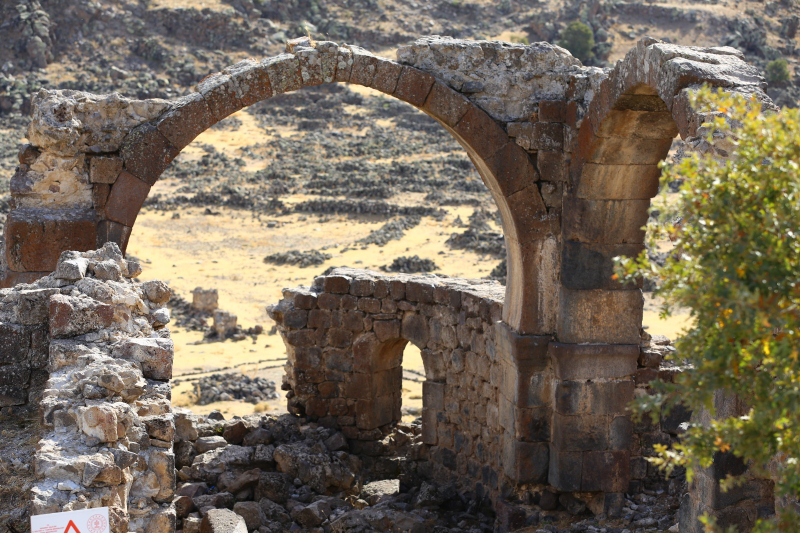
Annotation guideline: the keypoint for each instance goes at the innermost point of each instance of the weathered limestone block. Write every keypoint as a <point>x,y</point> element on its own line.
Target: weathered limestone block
<point>505,80</point>
<point>67,123</point>
<point>154,354</point>
<point>36,237</point>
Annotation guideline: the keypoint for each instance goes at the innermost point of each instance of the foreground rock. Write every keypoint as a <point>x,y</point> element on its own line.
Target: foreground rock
<point>288,474</point>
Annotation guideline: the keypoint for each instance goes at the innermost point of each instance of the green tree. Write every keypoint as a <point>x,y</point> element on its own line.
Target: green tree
<point>736,267</point>
<point>578,38</point>
<point>777,72</point>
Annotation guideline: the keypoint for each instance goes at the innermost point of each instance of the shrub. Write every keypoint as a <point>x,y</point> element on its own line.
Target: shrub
<point>736,267</point>
<point>579,40</point>
<point>777,72</point>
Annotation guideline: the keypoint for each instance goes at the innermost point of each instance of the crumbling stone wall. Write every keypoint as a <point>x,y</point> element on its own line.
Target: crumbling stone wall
<point>89,347</point>
<point>345,338</point>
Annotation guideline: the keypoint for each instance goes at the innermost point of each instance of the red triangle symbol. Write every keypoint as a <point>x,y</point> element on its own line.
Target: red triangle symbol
<point>72,527</point>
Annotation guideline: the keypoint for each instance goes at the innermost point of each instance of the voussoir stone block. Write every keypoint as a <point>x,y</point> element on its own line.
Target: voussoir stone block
<point>413,86</point>
<point>147,153</point>
<point>104,169</point>
<point>126,199</point>
<point>187,118</point>
<point>618,182</point>
<point>512,169</point>
<point>35,237</point>
<point>284,73</point>
<point>252,81</point>
<point>481,133</point>
<point>604,221</point>
<point>445,104</point>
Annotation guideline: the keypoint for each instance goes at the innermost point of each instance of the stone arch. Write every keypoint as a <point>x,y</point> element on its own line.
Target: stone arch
<point>506,169</point>
<point>626,131</point>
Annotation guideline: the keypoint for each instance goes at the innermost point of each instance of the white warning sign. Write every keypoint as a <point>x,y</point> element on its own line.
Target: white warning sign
<point>83,521</point>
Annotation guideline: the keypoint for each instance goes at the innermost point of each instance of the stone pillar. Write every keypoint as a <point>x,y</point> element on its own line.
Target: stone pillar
<point>525,404</point>
<point>590,450</point>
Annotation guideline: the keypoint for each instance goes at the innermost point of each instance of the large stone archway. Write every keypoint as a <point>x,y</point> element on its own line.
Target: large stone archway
<point>570,154</point>
<point>122,180</point>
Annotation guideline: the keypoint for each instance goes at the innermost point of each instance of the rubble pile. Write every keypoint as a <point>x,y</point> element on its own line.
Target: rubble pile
<point>410,265</point>
<point>106,422</point>
<point>303,258</point>
<point>234,386</point>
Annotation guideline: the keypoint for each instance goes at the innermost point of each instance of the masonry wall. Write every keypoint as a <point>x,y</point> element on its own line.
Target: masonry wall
<point>87,348</point>
<point>345,338</point>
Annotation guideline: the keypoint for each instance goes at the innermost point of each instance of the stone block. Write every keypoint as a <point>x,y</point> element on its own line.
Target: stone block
<point>515,348</point>
<point>481,133</point>
<point>36,237</point>
<point>580,433</point>
<point>600,316</point>
<point>629,151</point>
<point>566,469</point>
<point>512,169</point>
<point>386,330</point>
<point>154,354</point>
<point>310,66</point>
<point>364,67</point>
<point>593,361</point>
<point>337,284</point>
<point>284,73</point>
<point>252,81</point>
<point>413,86</point>
<point>110,231</point>
<point>638,124</point>
<point>344,64</point>
<point>534,265</point>
<point>525,462</point>
<point>419,291</point>
<point>445,104</point>
<point>100,193</point>
<point>429,426</point>
<point>433,395</point>
<point>620,433</point>
<point>593,397</point>
<point>605,221</point>
<point>415,329</point>
<point>104,169</point>
<point>375,412</point>
<point>126,199</point>
<point>551,165</point>
<point>362,287</point>
<point>15,343</point>
<point>552,110</point>
<point>386,75</point>
<point>547,136</point>
<point>528,215</point>
<point>618,182</point>
<point>222,521</point>
<point>533,424</point>
<point>188,117</point>
<point>147,153</point>
<point>606,471</point>
<point>586,266</point>
<point>219,92</point>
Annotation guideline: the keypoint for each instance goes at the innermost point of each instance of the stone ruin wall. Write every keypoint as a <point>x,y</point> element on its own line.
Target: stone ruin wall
<point>87,347</point>
<point>490,396</point>
<point>569,154</point>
